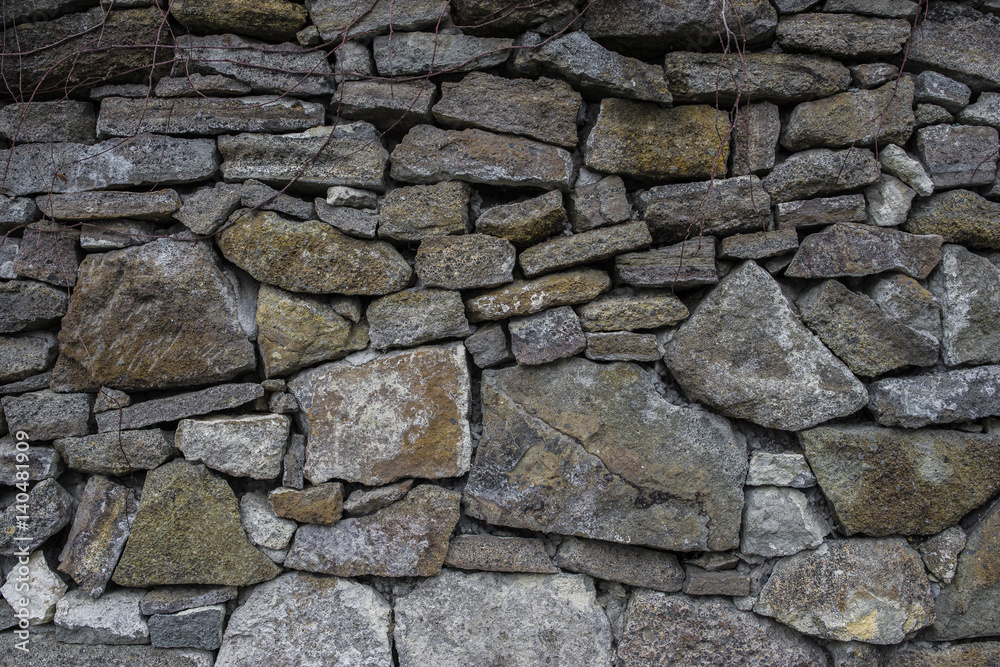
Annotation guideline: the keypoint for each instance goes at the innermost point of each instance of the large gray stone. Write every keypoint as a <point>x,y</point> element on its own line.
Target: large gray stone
<point>898,163</point>
<point>568,626</point>
<point>28,304</point>
<point>940,398</point>
<point>273,20</point>
<point>154,316</point>
<point>745,353</point>
<point>968,288</point>
<point>958,41</point>
<point>555,457</point>
<point>334,18</point>
<point>45,415</point>
<point>849,249</point>
<point>681,630</point>
<point>34,464</point>
<point>870,590</point>
<point>960,216</point>
<point>206,209</point>
<point>900,481</point>
<point>935,88</point>
<point>411,409</point>
<point>345,154</point>
<point>820,171</point>
<point>113,618</point>
<point>846,36</point>
<point>172,408</point>
<point>958,155</point>
<point>720,207</point>
<point>51,508</point>
<point>414,317</point>
<point>26,355</point>
<point>780,522</point>
<point>429,155</point>
<point>634,566</point>
<point>779,469</point>
<point>302,619</point>
<point>141,160</point>
<point>888,201</point>
<point>49,251</point>
<point>241,446</point>
<point>546,336</point>
<point>47,122</point>
<point>420,53</point>
<point>597,204</point>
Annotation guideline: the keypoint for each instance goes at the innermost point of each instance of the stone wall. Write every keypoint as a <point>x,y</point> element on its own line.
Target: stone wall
<point>619,332</point>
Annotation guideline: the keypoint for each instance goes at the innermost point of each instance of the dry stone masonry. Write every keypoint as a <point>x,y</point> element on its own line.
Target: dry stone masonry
<point>432,333</point>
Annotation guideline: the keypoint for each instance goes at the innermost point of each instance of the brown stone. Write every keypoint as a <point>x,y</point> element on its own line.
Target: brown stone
<point>526,222</point>
<point>524,297</point>
<point>563,252</point>
<point>420,211</point>
<point>321,504</point>
<point>634,566</point>
<point>624,311</point>
<point>687,264</point>
<point>499,554</point>
<point>273,20</point>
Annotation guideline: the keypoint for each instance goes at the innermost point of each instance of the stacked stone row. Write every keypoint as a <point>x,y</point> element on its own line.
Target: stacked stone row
<point>429,332</point>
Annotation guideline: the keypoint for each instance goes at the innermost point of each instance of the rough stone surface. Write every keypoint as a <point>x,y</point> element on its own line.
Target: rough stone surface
<point>17,211</point>
<point>36,464</point>
<point>355,222</point>
<point>410,417</point>
<point>759,245</point>
<point>726,582</point>
<point>968,606</point>
<point>860,333</point>
<point>564,252</point>
<point>392,106</point>
<point>196,85</point>
<point>896,162</point>
<point>49,252</point>
<point>755,138</point>
<point>367,501</point>
<point>199,628</point>
<point>687,264</point>
<point>780,522</point>
<point>408,538</point>
<point>903,299</point>
<point>940,553</point>
<point>526,222</point>
<point>986,111</point>
<point>554,439</point>
<point>850,249</point>
<point>45,415</point>
<point>956,41</point>
<point>256,195</point>
<point>414,317</point>
<point>598,204</point>
<point>26,355</point>
<point>312,257</point>
<point>242,446</point>
<point>220,397</point>
<point>51,508</point>
<point>309,621</point>
<point>207,209</point>
<point>428,155</point>
<point>888,202</point>
<point>763,364</point>
<point>46,651</point>
<point>634,566</point>
<point>524,297</point>
<point>966,286</point>
<point>568,624</point>
<point>821,212</point>
<point>546,336</point>
<point>186,116</point>
<point>47,122</point>
<point>779,469</point>
<point>978,654</point>
<point>499,554</point>
<point>958,155</point>
<point>648,142</point>
<point>264,528</point>
<point>683,211</point>
<point>46,588</point>
<point>418,53</point>
<point>27,304</point>
<point>468,261</point>
<point>843,35</point>
<point>545,109</point>
<point>941,398</point>
<point>273,20</point>
<point>780,78</point>
<point>872,75</point>
<point>624,310</point>
<point>113,618</point>
<point>322,504</point>
<point>171,599</point>
<point>334,18</point>
<point>677,629</point>
<point>115,235</point>
<point>488,346</point>
<point>116,453</point>
<point>820,171</point>
<point>345,154</point>
<point>623,346</point>
<point>960,216</point>
<point>184,505</point>
<point>422,211</point>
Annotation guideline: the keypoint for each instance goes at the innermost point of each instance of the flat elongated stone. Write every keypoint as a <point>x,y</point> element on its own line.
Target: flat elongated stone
<point>759,245</point>
<point>849,249</point>
<point>27,304</point>
<point>648,142</point>
<point>968,607</point>
<point>723,582</point>
<point>569,626</point>
<point>411,411</point>
<point>367,501</point>
<point>199,628</point>
<point>563,252</point>
<point>142,160</point>
<point>46,651</point>
<point>960,216</point>
<point>634,566</point>
<point>45,415</point>
<point>154,316</point>
<point>312,257</point>
<point>597,71</point>
<point>898,481</point>
<point>496,17</point>
<point>526,222</point>
<point>524,297</point>
<point>243,446</point>
<point>430,155</point>
<point>978,654</point>
<point>820,171</point>
<point>821,212</point>
<point>116,453</point>
<point>100,528</point>
<point>333,18</point>
<point>196,85</point>
<point>622,346</point>
<point>171,599</point>
<point>345,154</point>
<point>682,630</point>
<point>624,311</point>
<point>499,554</point>
<point>413,317</point>
<point>172,408</point>
<point>758,361</point>
<point>46,122</point>
<point>188,116</point>
<point>390,105</point>
<point>940,398</point>
<point>417,53</point>
<point>545,110</point>
<point>408,538</point>
<point>322,504</point>
<point>354,222</point>
<point>781,78</point>
<point>188,531</point>
<point>554,457</point>
<point>870,590</point>
<point>902,9</point>
<point>843,35</point>
<point>156,206</point>
<point>860,334</point>
<point>958,155</point>
<point>113,618</point>
<point>422,211</point>
<point>957,41</point>
<point>862,118</point>
<point>308,620</point>
<point>274,20</point>
<point>51,510</point>
<point>687,264</point>
<point>966,286</point>
<point>282,69</point>
<point>468,261</point>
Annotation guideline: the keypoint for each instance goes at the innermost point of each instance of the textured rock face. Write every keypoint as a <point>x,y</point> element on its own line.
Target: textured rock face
<point>524,297</point>
<point>414,317</point>
<point>956,40</point>
<point>27,304</point>
<point>409,417</point>
<point>51,509</point>
<point>465,262</point>
<point>780,522</point>
<point>499,554</point>
<point>182,506</point>
<point>335,17</point>
<point>564,252</point>
<point>274,20</point>
<point>678,212</point>
<point>942,398</point>
<point>687,264</point>
<point>568,624</point>
<point>417,53</point>
<point>763,365</point>
<point>312,257</point>
<point>677,629</point>
<point>635,566</point>
<point>134,305</point>
<point>897,481</point>
<point>849,249</point>
<point>47,651</point>
<point>407,539</point>
<point>619,311</point>
<point>960,216</point>
<point>113,618</point>
<point>424,211</point>
<point>845,36</point>
<point>246,446</point>
<point>820,171</point>
<point>221,397</point>
<point>310,621</point>
<point>978,654</point>
<point>958,155</point>
<point>525,223</point>
<point>966,287</point>
<point>554,438</point>
<point>873,591</point>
